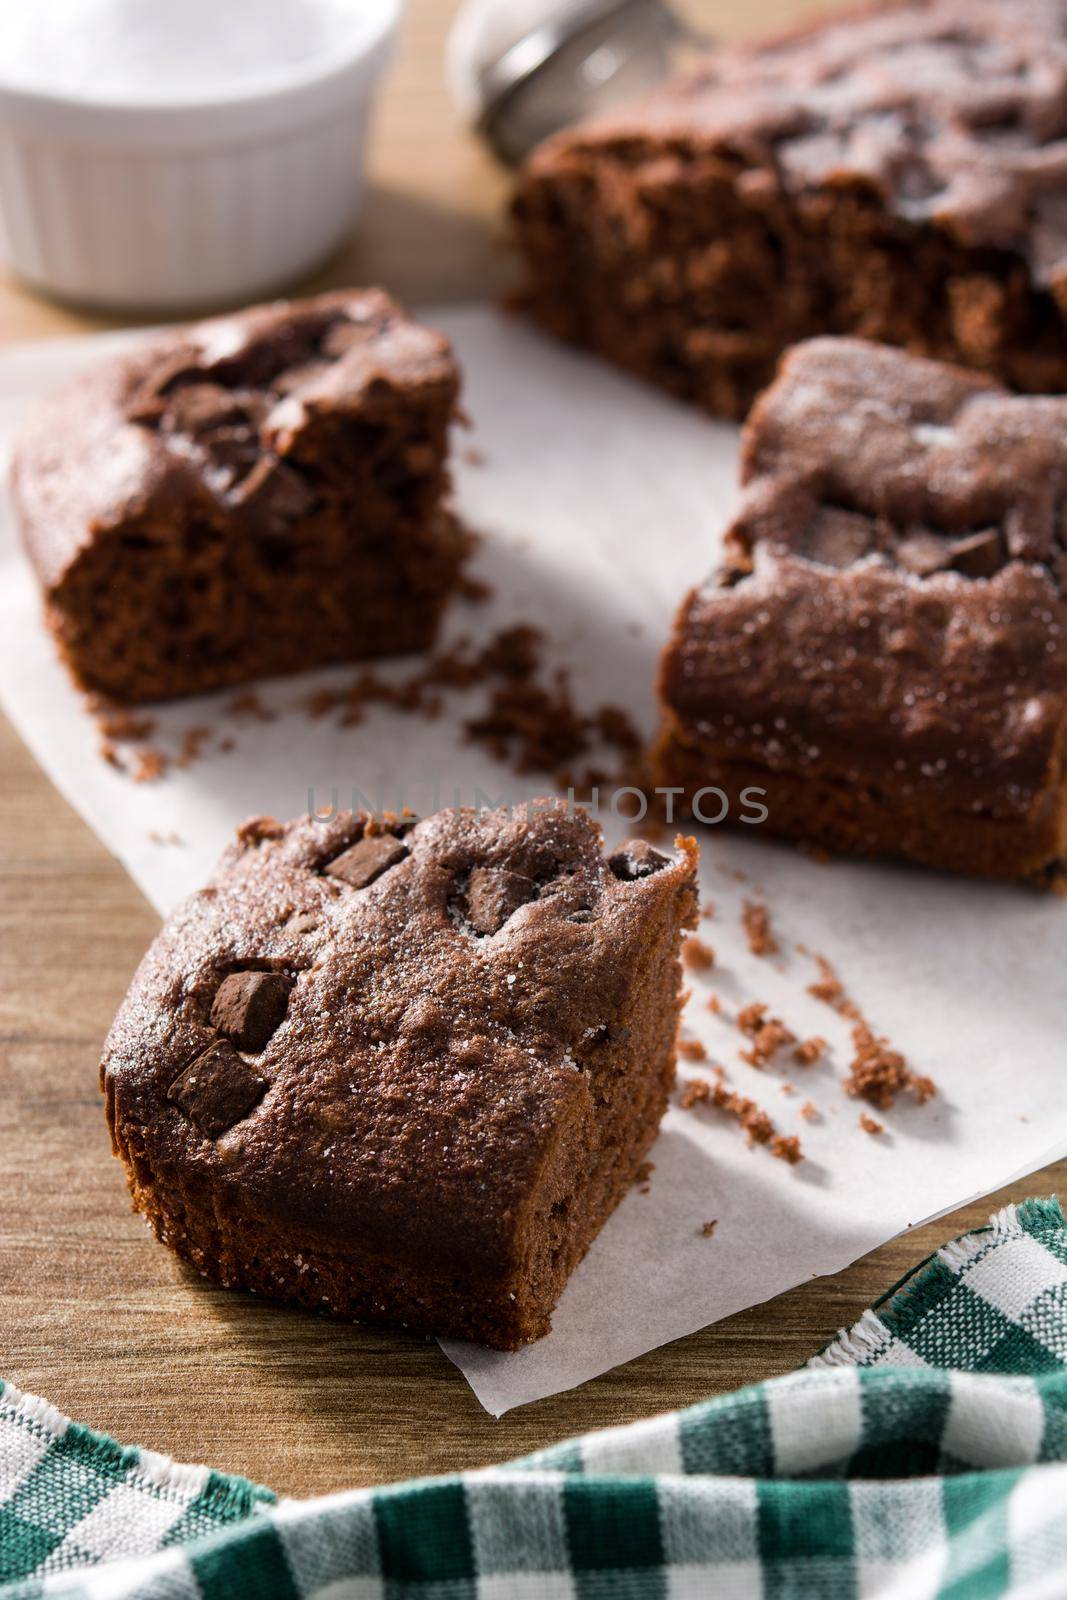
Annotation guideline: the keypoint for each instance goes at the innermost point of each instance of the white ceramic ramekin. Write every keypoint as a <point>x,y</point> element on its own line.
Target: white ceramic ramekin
<point>159,206</point>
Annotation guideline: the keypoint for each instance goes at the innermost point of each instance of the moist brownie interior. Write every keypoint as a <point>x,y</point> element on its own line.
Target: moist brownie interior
<point>404,1073</point>
<point>898,172</point>
<point>253,495</point>
<point>884,650</point>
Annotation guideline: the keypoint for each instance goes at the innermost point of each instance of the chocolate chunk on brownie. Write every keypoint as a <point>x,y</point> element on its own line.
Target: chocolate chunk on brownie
<point>249,1006</point>
<point>410,1095</point>
<point>897,172</point>
<point>884,651</point>
<point>360,865</point>
<point>494,894</point>
<point>252,495</point>
<point>217,1090</point>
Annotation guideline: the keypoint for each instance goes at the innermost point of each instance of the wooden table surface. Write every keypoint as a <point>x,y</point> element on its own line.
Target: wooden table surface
<point>93,1313</point>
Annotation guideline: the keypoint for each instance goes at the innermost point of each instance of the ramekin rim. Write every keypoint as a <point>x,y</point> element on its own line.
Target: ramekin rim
<point>252,94</point>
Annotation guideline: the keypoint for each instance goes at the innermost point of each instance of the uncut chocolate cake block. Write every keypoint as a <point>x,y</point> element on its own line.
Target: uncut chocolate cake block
<point>896,172</point>
<point>251,495</point>
<point>404,1072</point>
<point>883,652</point>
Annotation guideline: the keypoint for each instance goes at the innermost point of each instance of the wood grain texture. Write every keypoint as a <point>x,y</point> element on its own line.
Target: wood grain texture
<point>93,1313</point>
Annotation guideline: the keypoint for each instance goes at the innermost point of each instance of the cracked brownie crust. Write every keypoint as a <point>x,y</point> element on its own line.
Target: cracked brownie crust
<point>251,495</point>
<point>403,1073</point>
<point>885,648</point>
<point>897,172</point>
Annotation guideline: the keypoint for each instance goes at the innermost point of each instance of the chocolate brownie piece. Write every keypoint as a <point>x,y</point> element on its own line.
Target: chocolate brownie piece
<point>412,1095</point>
<point>897,172</point>
<point>884,651</point>
<point>252,495</point>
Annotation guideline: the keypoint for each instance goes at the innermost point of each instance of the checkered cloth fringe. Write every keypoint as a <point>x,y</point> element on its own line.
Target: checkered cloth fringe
<point>924,1453</point>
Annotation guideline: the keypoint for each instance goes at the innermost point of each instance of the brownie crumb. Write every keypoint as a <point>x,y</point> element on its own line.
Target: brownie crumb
<point>118,727</point>
<point>786,1147</point>
<point>768,1034</point>
<point>193,741</point>
<point>473,590</point>
<point>149,765</point>
<point>644,1172</point>
<point>124,727</point>
<point>759,1129</point>
<point>787,1088</point>
<point>616,727</point>
<point>708,1228</point>
<point>756,920</point>
<point>256,829</point>
<point>809,1051</point>
<point>697,955</point>
<point>707,910</point>
<point>879,1073</point>
<point>830,990</point>
<point>750,1017</point>
<point>809,1112</point>
<point>692,1050</point>
<point>757,1125</point>
<point>714,1004</point>
<point>249,704</point>
<point>770,1037</point>
<point>533,727</point>
<point>869,1124</point>
<point>528,719</point>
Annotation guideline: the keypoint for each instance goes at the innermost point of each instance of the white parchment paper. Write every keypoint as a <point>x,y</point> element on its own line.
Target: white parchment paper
<point>600,502</point>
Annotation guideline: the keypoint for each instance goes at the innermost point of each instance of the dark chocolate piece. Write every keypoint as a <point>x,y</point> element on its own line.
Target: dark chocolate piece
<point>249,1006</point>
<point>367,860</point>
<point>980,555</point>
<point>494,894</point>
<point>922,553</point>
<point>837,538</point>
<point>217,1090</point>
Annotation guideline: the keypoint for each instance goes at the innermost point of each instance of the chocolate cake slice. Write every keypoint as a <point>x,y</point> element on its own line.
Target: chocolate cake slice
<point>255,494</point>
<point>897,172</point>
<point>882,656</point>
<point>403,1073</point>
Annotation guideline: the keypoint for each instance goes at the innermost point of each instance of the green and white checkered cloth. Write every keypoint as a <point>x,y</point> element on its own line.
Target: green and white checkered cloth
<point>924,1453</point>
